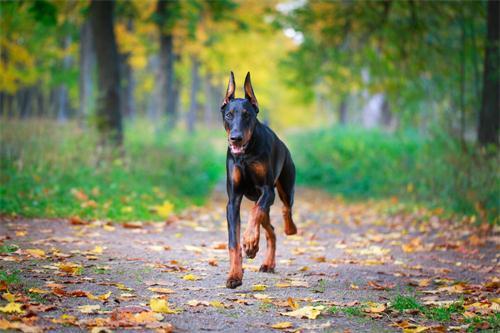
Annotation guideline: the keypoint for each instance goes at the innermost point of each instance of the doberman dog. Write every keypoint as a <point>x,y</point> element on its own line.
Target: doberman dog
<point>257,162</point>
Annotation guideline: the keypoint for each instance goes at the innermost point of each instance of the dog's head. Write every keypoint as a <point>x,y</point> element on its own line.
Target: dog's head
<point>239,116</point>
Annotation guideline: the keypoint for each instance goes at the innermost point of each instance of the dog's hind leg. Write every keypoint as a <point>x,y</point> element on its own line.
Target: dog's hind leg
<point>270,261</point>
<point>286,189</point>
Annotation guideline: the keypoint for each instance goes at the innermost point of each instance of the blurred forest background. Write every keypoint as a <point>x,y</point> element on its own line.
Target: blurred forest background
<point>110,109</point>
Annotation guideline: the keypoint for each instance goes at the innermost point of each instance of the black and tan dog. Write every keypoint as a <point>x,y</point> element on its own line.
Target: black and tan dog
<point>257,162</point>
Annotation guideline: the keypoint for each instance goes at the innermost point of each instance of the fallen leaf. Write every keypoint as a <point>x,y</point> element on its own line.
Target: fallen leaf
<point>36,253</point>
<point>259,287</point>
<point>217,304</point>
<point>416,329</point>
<point>76,220</point>
<point>195,303</point>
<point>103,297</point>
<point>282,325</point>
<point>133,225</point>
<point>191,277</point>
<point>165,209</point>
<point>38,291</point>
<point>292,303</point>
<point>97,250</point>
<point>161,306</point>
<point>373,307</point>
<point>310,312</point>
<point>79,194</point>
<point>88,308</point>
<point>12,307</point>
<point>12,325</point>
<point>161,290</point>
<point>9,297</point>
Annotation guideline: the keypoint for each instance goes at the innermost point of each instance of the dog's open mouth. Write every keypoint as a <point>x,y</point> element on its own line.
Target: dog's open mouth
<point>237,149</point>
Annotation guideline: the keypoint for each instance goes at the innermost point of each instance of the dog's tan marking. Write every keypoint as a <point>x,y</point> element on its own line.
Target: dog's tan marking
<point>259,169</point>
<point>236,176</point>
<point>290,228</point>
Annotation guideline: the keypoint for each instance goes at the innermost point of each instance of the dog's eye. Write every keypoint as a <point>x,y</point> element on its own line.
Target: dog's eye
<point>246,115</point>
<point>229,115</point>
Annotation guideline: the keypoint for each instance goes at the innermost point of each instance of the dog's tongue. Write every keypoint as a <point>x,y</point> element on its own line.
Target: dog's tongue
<point>236,149</point>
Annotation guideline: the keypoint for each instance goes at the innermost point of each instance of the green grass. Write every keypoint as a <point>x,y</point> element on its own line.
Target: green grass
<point>320,287</point>
<point>351,311</point>
<point>55,170</point>
<point>403,303</point>
<point>440,314</point>
<point>488,324</point>
<point>444,314</point>
<point>435,170</point>
<point>5,248</point>
<point>10,278</point>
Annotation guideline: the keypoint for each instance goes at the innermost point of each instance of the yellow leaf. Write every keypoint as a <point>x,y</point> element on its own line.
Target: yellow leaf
<point>310,312</point>
<point>9,297</point>
<point>97,250</point>
<point>88,308</point>
<point>36,253</point>
<point>12,307</point>
<point>38,291</point>
<point>161,306</point>
<point>373,307</point>
<point>127,209</point>
<point>103,297</point>
<point>282,285</point>
<point>161,290</point>
<point>416,329</point>
<point>282,325</point>
<point>217,304</point>
<point>191,277</point>
<point>259,287</point>
<point>121,286</point>
<point>293,303</point>
<point>70,267</point>
<point>165,209</point>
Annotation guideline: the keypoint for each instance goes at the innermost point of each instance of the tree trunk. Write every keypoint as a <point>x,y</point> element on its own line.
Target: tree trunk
<point>109,119</point>
<point>489,116</point>
<point>209,103</point>
<point>127,90</point>
<point>195,82</point>
<point>62,90</point>
<point>166,75</point>
<point>343,111</point>
<point>87,63</point>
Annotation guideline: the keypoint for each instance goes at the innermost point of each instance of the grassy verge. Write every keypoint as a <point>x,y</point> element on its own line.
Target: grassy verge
<point>438,171</point>
<point>55,170</point>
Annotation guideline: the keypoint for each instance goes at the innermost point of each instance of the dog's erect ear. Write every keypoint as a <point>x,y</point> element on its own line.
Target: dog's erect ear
<point>231,87</point>
<point>249,94</point>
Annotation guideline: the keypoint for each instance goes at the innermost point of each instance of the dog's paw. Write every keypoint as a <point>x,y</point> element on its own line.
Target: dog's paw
<point>290,229</point>
<point>251,248</point>
<point>232,283</point>
<point>251,244</point>
<point>266,269</point>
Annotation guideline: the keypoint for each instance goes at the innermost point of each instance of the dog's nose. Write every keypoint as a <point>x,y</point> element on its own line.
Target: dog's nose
<point>236,137</point>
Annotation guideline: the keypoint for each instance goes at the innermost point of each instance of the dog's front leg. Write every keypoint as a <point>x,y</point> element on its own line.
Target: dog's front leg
<point>235,276</point>
<point>258,216</point>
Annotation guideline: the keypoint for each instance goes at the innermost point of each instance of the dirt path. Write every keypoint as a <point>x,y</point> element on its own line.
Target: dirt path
<point>359,265</point>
